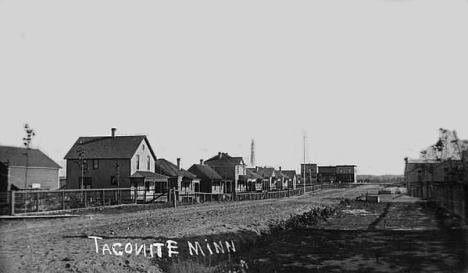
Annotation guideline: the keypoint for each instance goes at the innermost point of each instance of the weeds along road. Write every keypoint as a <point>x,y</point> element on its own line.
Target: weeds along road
<point>58,245</point>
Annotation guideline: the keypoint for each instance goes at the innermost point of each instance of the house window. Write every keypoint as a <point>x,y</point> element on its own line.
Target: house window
<point>114,181</point>
<point>148,163</point>
<point>95,164</point>
<point>138,162</point>
<point>143,147</point>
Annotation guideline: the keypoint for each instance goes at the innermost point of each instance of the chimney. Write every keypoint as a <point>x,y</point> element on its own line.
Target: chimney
<point>220,155</point>
<point>113,132</point>
<point>279,168</point>
<point>201,161</point>
<point>178,164</point>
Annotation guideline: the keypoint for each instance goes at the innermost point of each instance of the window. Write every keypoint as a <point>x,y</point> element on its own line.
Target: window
<point>114,181</point>
<point>143,147</point>
<point>138,162</point>
<point>95,164</point>
<point>148,164</point>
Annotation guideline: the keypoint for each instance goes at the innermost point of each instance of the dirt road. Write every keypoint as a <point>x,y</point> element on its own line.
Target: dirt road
<point>61,245</point>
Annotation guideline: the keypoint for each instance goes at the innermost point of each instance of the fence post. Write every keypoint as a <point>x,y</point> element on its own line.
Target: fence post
<point>103,196</point>
<point>12,203</point>
<point>174,196</point>
<point>84,195</point>
<point>63,200</point>
<point>37,201</point>
<point>135,194</point>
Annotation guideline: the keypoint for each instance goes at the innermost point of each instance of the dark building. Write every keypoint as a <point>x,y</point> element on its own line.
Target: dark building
<point>346,173</point>
<point>309,171</point>
<point>326,174</point>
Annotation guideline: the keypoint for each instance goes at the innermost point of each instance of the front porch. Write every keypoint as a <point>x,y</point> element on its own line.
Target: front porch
<point>149,187</point>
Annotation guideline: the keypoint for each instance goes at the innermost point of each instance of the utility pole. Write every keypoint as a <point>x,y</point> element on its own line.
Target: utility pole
<point>305,135</point>
<point>81,155</point>
<point>117,167</point>
<point>27,142</point>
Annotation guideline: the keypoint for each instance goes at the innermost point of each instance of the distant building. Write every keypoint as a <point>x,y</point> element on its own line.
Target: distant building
<point>230,168</point>
<point>268,175</point>
<point>254,180</point>
<point>309,171</point>
<point>421,173</point>
<point>180,179</point>
<point>326,174</point>
<point>210,180</point>
<point>346,173</point>
<point>16,163</point>
<point>292,178</point>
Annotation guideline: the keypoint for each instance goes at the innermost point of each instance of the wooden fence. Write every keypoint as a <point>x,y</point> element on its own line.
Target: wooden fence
<point>33,201</point>
<point>14,202</point>
<point>200,197</point>
<point>451,196</point>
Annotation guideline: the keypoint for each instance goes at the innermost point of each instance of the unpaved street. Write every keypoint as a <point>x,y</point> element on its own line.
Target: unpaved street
<point>60,245</point>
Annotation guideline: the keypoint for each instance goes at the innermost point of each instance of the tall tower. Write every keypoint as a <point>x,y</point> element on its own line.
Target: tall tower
<point>252,154</point>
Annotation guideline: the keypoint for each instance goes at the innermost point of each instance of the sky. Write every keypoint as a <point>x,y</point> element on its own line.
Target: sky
<point>364,82</point>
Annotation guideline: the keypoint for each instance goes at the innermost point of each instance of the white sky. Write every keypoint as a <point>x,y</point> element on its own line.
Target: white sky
<point>370,81</point>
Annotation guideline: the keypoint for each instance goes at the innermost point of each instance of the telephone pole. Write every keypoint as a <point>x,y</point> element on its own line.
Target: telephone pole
<point>304,173</point>
<point>27,142</point>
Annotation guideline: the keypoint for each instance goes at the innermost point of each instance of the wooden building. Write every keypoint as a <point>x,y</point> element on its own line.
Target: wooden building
<point>210,180</point>
<point>22,168</point>
<point>114,162</point>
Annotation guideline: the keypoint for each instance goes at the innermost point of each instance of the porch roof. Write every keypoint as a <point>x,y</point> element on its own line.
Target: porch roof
<point>150,176</point>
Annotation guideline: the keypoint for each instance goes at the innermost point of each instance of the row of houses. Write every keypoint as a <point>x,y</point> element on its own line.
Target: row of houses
<point>115,161</point>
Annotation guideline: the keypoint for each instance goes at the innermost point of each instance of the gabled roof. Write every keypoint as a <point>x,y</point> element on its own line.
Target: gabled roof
<point>224,158</point>
<point>252,175</point>
<point>281,174</point>
<point>264,171</point>
<point>108,147</point>
<point>204,172</point>
<point>290,173</point>
<point>16,156</point>
<point>168,168</point>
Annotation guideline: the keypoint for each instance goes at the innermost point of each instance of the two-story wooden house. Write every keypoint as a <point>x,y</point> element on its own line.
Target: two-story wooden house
<point>230,168</point>
<point>114,161</point>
